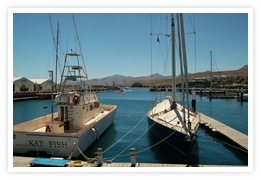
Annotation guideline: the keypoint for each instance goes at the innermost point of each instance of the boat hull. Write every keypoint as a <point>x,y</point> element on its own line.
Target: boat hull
<point>177,141</point>
<point>62,144</point>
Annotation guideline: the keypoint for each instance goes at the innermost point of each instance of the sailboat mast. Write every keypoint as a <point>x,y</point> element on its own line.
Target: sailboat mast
<point>184,59</point>
<point>57,44</point>
<point>173,62</point>
<point>51,74</point>
<point>211,70</point>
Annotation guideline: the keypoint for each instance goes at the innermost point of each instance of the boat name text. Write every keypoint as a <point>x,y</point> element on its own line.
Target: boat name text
<point>52,144</point>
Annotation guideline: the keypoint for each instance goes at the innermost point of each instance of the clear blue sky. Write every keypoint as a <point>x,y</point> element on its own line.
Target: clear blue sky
<point>119,43</point>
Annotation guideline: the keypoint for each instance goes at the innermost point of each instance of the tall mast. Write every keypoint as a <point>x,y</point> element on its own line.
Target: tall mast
<point>57,44</point>
<point>173,62</point>
<point>185,67</point>
<point>211,70</point>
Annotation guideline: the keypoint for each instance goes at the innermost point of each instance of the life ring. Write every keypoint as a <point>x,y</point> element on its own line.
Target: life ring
<point>75,99</point>
<point>76,163</point>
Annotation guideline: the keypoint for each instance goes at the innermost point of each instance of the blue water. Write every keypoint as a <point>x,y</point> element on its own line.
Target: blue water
<point>130,128</point>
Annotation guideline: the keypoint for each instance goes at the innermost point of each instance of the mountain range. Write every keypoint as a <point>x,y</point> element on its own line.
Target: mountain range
<point>121,80</point>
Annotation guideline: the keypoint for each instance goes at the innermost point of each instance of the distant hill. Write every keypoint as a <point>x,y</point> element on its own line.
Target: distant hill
<point>121,80</point>
<point>244,67</point>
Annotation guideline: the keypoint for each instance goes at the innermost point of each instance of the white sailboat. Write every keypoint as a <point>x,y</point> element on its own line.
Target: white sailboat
<point>174,123</point>
<point>80,121</point>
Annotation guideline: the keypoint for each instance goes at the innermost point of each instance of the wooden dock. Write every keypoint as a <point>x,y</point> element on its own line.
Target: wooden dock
<point>234,135</point>
<point>20,161</point>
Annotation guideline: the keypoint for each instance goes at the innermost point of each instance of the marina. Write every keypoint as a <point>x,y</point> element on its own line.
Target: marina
<point>216,93</point>
<point>184,127</point>
<point>209,150</point>
<point>217,127</point>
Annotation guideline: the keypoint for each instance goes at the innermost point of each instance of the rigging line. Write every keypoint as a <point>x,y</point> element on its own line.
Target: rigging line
<point>55,44</point>
<point>151,64</point>
<point>193,24</point>
<point>126,133</point>
<point>52,30</point>
<point>58,60</point>
<point>195,43</point>
<point>216,66</point>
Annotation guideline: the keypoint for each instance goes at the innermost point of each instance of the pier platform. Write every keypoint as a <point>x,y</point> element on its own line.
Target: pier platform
<point>20,161</point>
<point>234,135</point>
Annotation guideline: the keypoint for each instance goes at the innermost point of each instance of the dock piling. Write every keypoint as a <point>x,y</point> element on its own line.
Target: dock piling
<point>99,156</point>
<point>133,157</point>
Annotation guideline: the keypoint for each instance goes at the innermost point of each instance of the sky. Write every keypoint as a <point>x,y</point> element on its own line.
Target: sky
<point>120,43</point>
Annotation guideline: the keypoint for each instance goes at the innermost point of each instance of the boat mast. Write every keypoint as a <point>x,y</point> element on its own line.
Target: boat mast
<point>185,67</point>
<point>181,55</point>
<point>57,44</point>
<point>51,74</point>
<point>173,62</point>
<point>211,70</point>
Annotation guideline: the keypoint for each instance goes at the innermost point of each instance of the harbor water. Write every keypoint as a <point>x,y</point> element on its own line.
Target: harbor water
<point>130,129</point>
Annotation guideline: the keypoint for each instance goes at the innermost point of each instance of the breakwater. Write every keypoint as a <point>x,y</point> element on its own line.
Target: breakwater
<point>47,95</point>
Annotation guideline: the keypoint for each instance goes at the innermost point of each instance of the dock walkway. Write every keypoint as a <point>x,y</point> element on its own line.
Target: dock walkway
<point>236,136</point>
<point>20,161</point>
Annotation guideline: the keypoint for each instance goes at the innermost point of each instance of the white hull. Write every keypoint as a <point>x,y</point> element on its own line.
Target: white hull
<point>28,136</point>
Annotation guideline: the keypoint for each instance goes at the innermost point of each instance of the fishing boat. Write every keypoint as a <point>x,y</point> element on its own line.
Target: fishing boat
<point>174,123</point>
<point>81,118</point>
<point>45,95</point>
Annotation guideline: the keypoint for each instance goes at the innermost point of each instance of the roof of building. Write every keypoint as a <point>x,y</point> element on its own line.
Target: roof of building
<point>39,81</point>
<point>16,78</point>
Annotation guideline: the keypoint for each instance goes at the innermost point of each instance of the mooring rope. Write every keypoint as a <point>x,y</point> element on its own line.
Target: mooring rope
<point>125,134</point>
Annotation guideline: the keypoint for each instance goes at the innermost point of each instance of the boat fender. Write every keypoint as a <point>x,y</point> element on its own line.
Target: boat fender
<point>95,130</point>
